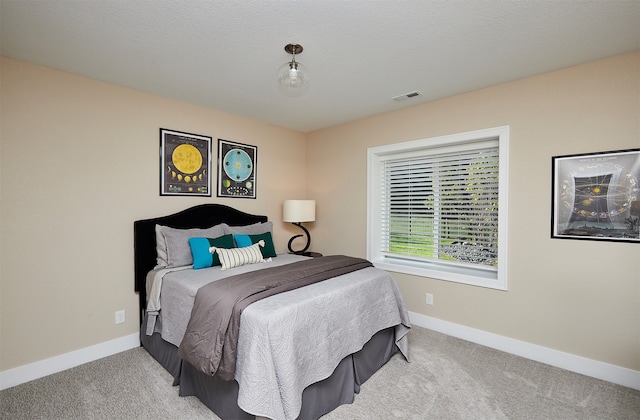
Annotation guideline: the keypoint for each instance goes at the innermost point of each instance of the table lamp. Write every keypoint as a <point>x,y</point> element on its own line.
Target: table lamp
<point>297,212</point>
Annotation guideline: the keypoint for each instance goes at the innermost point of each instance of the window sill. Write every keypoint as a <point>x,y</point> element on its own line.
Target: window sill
<point>479,278</point>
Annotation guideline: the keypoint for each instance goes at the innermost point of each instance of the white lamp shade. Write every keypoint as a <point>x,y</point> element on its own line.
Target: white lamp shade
<point>296,211</point>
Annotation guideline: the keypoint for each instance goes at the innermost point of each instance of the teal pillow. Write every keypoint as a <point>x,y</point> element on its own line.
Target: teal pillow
<point>268,250</point>
<point>242,241</point>
<point>202,258</point>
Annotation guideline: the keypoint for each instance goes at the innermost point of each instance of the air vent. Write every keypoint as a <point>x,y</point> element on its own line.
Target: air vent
<point>406,96</point>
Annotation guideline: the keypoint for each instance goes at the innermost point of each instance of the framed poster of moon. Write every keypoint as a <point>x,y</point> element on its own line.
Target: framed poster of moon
<point>185,164</point>
<point>236,169</point>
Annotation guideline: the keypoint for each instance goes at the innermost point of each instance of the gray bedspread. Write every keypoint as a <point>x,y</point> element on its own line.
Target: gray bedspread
<point>293,339</point>
<point>209,343</point>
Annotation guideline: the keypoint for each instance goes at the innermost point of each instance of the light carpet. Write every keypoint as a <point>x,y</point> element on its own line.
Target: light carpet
<point>447,378</point>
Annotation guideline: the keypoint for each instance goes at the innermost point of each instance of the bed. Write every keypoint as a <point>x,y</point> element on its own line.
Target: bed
<point>294,357</point>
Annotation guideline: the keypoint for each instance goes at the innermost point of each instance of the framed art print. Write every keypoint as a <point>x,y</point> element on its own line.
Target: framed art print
<point>236,169</point>
<point>596,196</point>
<point>185,164</point>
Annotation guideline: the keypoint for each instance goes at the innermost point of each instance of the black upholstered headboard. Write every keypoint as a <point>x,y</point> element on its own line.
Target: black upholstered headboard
<point>202,216</point>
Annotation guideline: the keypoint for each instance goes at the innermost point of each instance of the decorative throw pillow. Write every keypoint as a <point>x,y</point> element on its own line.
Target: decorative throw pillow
<point>236,257</point>
<point>172,244</point>
<point>254,229</point>
<point>202,258</point>
<point>268,250</point>
<point>242,240</point>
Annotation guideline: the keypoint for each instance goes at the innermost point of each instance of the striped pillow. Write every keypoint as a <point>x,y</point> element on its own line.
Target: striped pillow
<point>235,257</point>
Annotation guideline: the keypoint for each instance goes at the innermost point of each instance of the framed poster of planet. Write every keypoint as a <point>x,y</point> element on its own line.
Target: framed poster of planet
<point>596,196</point>
<point>236,169</point>
<point>185,164</point>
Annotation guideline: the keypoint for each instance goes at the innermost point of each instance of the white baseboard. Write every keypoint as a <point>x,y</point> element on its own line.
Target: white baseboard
<point>605,371</point>
<point>26,373</point>
<point>616,374</point>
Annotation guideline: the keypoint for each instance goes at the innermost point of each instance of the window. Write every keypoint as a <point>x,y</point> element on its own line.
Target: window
<point>438,207</point>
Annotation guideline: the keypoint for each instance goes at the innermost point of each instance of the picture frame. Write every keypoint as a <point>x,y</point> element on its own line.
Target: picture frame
<point>237,163</point>
<point>596,196</point>
<point>185,164</point>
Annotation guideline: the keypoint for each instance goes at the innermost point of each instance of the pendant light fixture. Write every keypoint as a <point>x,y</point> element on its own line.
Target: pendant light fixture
<point>293,77</point>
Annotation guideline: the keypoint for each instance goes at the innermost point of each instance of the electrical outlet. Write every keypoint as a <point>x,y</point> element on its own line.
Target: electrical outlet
<point>429,299</point>
<point>120,317</point>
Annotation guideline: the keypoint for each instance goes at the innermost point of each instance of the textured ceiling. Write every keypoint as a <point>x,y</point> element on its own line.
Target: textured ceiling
<point>225,54</point>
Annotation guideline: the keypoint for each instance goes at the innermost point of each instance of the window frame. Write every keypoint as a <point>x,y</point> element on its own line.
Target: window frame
<point>466,275</point>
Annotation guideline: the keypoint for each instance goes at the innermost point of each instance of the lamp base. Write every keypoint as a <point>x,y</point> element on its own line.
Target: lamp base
<point>297,236</point>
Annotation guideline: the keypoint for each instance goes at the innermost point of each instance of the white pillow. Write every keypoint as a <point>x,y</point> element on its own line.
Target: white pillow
<point>235,257</point>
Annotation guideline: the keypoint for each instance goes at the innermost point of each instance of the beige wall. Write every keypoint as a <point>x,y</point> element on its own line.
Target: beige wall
<point>79,163</point>
<point>580,297</point>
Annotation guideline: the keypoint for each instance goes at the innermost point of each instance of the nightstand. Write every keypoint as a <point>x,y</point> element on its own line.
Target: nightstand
<point>309,254</point>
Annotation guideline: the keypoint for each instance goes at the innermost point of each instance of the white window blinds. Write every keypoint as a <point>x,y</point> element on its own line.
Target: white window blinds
<point>438,207</point>
<point>441,205</point>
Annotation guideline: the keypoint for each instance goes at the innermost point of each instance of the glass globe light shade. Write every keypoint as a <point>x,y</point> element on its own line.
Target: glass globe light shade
<point>293,79</point>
